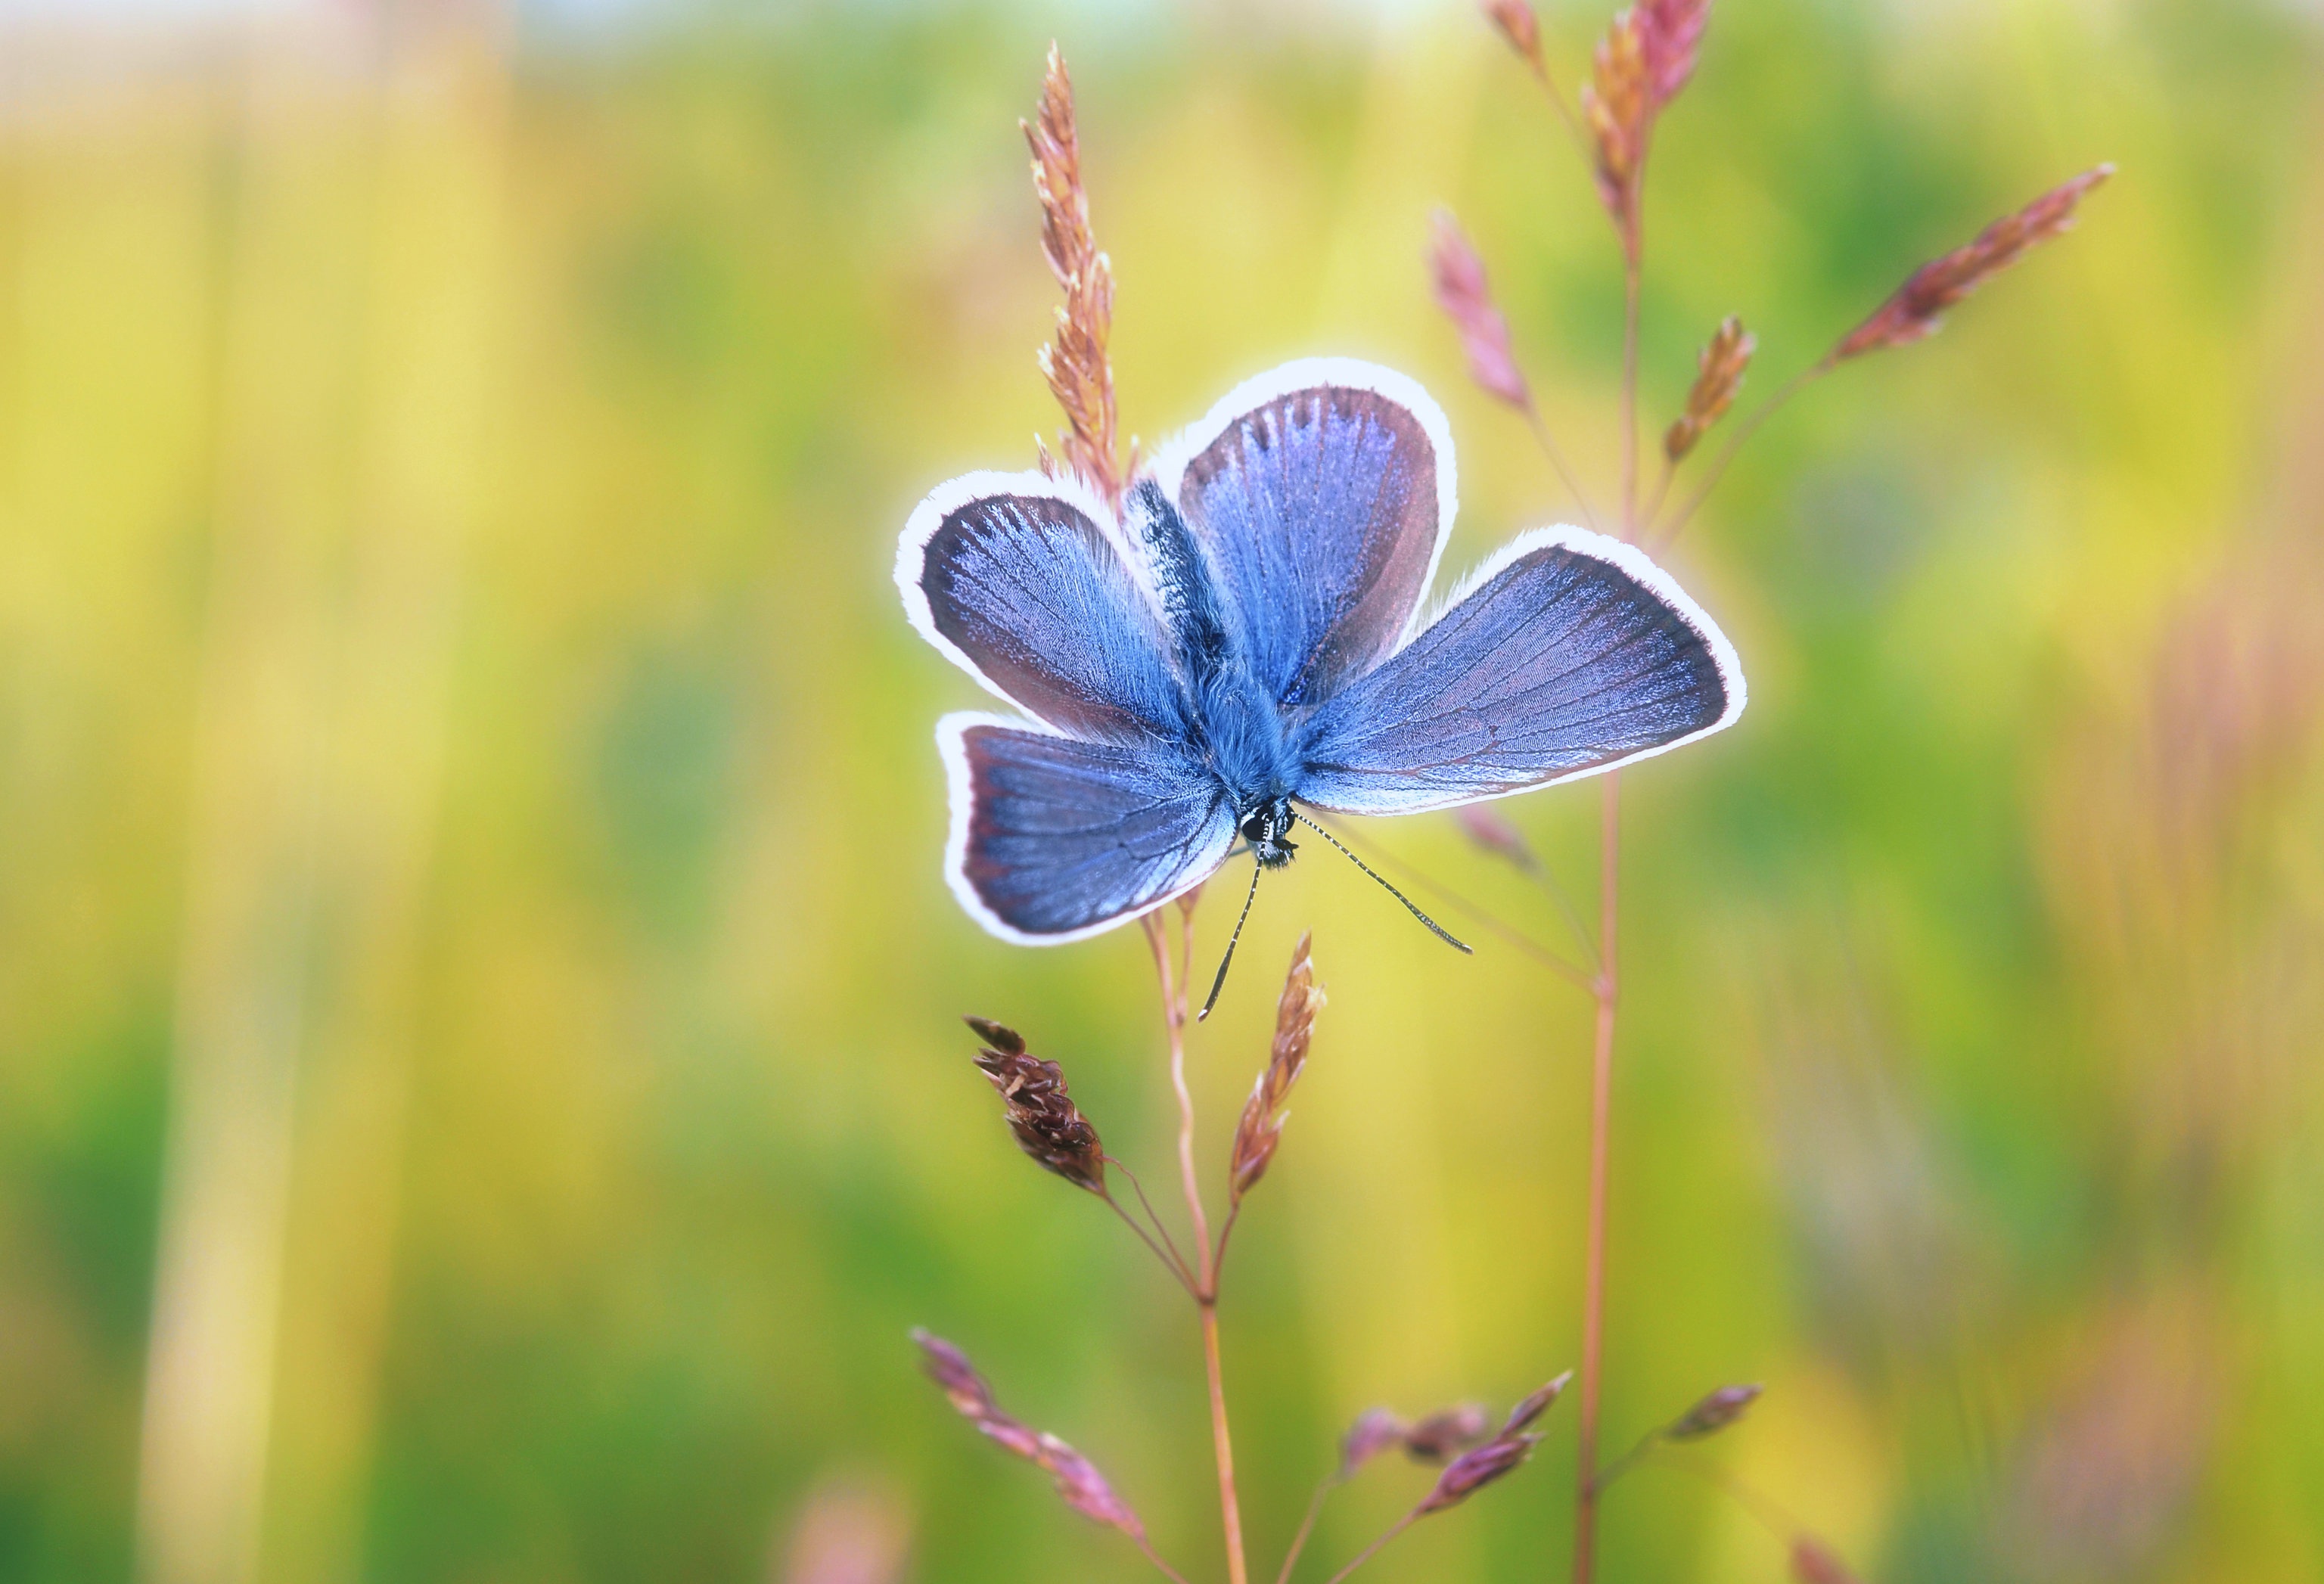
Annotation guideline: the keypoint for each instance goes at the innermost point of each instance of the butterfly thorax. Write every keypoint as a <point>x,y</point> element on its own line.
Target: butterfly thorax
<point>1233,720</point>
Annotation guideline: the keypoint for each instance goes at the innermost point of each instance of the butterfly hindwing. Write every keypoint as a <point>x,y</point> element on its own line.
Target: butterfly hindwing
<point>1011,575</point>
<point>1321,493</point>
<point>1568,653</point>
<point>1053,838</point>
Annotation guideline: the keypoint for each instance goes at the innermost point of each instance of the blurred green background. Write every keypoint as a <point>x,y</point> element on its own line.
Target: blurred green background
<point>480,1094</point>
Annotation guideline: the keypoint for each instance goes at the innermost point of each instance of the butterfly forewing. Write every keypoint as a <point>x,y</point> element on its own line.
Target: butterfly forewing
<point>1011,575</point>
<point>1569,653</point>
<point>1321,493</point>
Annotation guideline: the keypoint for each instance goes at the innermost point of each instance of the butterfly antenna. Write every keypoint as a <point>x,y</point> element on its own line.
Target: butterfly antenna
<point>1435,928</point>
<point>1220,983</point>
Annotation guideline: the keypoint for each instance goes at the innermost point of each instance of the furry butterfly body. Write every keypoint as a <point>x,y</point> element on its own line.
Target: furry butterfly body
<point>1246,638</point>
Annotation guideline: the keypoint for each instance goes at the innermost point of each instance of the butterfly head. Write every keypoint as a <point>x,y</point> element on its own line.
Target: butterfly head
<point>1265,826</point>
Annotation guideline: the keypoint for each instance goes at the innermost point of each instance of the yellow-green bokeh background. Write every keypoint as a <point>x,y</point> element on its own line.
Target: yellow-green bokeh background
<point>473,959</point>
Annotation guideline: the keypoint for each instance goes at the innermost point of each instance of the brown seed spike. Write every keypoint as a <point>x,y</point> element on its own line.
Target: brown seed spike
<point>1261,1128</point>
<point>1048,1125</point>
<point>1466,296</point>
<point>1719,375</point>
<point>1074,363</point>
<point>1916,307</point>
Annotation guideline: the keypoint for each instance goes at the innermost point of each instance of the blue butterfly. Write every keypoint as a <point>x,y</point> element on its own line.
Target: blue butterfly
<point>1247,638</point>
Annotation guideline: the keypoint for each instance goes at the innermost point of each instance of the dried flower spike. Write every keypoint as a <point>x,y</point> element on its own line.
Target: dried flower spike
<point>1914,310</point>
<point>1261,1128</point>
<point>1719,375</point>
<point>1048,1125</point>
<point>1713,1414</point>
<point>1437,1437</point>
<point>1074,363</point>
<point>1466,297</point>
<point>1083,1488</point>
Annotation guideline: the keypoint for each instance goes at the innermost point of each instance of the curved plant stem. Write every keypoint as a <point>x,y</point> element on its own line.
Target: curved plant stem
<point>1602,1074</point>
<point>1206,1291</point>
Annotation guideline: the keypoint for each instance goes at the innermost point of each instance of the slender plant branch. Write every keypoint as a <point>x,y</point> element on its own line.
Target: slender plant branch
<point>1770,1513</point>
<point>1601,1075</point>
<point>1564,106</point>
<point>1627,1461</point>
<point>1223,1445</point>
<point>1307,1528</point>
<point>1662,492</point>
<point>1206,1291</point>
<point>1735,438</point>
<point>1219,1257</point>
<point>1630,285</point>
<point>1551,449</point>
<point>1171,1261</point>
<point>1580,978</point>
<point>1168,1571</point>
<point>1160,1225</point>
<point>1365,1555</point>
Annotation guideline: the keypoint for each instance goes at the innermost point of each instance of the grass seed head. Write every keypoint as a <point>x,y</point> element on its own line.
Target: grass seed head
<point>1076,361</point>
<point>1076,1479</point>
<point>1719,375</point>
<point>1916,308</point>
<point>1474,1470</point>
<point>1375,1430</point>
<point>1048,1125</point>
<point>1713,1414</point>
<point>1534,1406</point>
<point>1521,27</point>
<point>1466,296</point>
<point>1441,1434</point>
<point>1261,1126</point>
